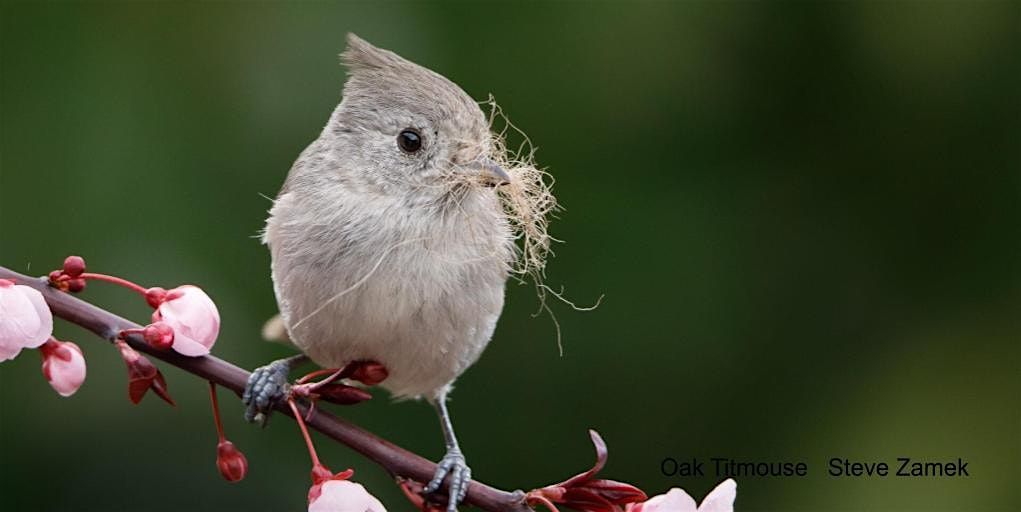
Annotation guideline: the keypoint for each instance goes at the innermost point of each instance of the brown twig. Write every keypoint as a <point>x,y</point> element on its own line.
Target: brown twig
<point>398,461</point>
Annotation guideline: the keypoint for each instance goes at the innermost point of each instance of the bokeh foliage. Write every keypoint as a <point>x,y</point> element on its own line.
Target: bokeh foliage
<point>805,219</point>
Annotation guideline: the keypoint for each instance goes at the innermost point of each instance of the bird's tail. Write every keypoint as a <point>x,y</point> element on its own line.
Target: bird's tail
<point>275,330</point>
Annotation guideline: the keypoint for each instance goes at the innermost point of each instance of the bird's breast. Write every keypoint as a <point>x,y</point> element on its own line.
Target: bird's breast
<point>421,295</point>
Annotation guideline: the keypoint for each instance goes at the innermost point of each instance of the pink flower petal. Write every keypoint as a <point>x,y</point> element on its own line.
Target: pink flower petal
<point>45,316</point>
<point>186,346</point>
<point>25,320</point>
<point>18,320</point>
<point>7,353</point>
<point>720,499</point>
<point>344,496</point>
<point>675,500</point>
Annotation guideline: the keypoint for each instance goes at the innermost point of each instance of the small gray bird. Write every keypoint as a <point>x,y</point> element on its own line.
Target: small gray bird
<point>389,242</point>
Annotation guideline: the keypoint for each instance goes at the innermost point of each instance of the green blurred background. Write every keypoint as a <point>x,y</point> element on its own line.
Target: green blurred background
<point>806,219</point>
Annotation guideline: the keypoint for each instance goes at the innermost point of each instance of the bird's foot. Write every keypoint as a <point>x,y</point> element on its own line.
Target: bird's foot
<point>453,466</point>
<point>266,386</point>
<point>269,385</point>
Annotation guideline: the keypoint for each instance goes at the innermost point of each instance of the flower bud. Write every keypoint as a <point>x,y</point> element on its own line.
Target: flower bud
<point>231,462</point>
<point>63,366</point>
<point>75,285</point>
<point>74,266</point>
<point>158,335</point>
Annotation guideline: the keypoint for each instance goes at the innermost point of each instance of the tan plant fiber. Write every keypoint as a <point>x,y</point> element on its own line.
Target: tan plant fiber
<point>529,204</point>
<point>528,199</point>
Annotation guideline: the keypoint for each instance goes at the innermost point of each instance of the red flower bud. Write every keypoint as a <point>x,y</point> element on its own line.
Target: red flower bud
<point>159,335</point>
<point>75,285</point>
<point>68,278</point>
<point>74,266</point>
<point>231,462</point>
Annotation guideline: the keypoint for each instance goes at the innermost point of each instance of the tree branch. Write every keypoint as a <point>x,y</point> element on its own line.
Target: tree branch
<point>396,460</point>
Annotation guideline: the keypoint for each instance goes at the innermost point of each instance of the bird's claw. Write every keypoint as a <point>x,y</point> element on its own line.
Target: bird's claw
<point>266,386</point>
<point>454,466</point>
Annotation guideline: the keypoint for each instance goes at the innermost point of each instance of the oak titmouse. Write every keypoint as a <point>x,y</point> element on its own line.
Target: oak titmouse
<point>388,239</point>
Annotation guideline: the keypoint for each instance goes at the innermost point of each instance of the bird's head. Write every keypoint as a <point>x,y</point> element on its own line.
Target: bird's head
<point>411,128</point>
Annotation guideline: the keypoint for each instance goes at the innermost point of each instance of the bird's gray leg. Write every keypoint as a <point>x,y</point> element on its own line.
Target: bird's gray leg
<point>453,463</point>
<point>267,385</point>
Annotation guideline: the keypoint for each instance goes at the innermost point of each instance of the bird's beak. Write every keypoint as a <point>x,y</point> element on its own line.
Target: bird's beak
<point>492,172</point>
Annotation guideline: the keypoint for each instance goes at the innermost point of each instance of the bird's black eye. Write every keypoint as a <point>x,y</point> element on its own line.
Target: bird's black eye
<point>409,141</point>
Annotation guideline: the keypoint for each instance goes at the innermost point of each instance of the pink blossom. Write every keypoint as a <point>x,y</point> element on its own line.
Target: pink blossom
<point>193,317</point>
<point>63,366</point>
<point>342,496</point>
<point>720,499</point>
<point>25,319</point>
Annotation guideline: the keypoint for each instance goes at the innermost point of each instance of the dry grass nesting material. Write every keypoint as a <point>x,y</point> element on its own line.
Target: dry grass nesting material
<point>529,204</point>
<point>527,200</point>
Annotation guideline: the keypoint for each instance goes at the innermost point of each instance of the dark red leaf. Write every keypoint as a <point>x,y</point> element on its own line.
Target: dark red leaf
<point>142,376</point>
<point>619,493</point>
<point>586,493</point>
<point>159,386</point>
<point>586,500</point>
<point>342,394</point>
<point>601,454</point>
<point>369,373</point>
